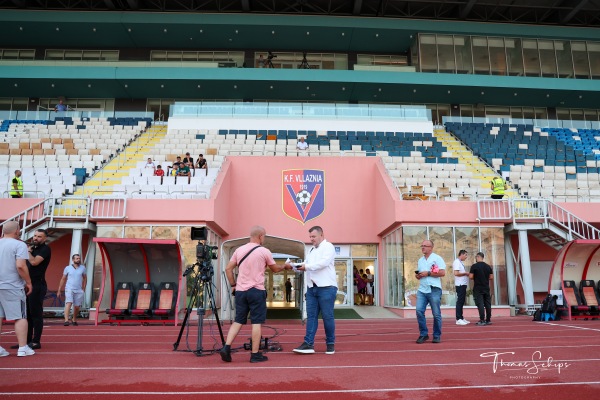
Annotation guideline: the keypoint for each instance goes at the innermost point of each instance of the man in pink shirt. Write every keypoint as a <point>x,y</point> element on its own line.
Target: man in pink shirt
<point>249,290</point>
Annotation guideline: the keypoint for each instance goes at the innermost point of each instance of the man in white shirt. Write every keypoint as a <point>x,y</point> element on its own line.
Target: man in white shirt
<point>76,279</point>
<point>461,282</point>
<point>302,145</point>
<point>319,273</point>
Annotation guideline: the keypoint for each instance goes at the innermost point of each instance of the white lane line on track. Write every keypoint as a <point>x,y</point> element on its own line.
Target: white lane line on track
<point>244,368</point>
<point>300,392</point>
<point>572,326</point>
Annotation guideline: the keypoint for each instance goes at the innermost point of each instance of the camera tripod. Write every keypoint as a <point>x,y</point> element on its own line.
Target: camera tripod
<point>304,64</point>
<point>201,291</point>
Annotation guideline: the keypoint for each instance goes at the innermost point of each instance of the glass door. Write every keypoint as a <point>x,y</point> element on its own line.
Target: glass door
<point>342,275</point>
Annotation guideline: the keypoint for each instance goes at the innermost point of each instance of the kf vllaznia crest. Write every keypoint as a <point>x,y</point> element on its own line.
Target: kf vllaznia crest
<point>303,193</point>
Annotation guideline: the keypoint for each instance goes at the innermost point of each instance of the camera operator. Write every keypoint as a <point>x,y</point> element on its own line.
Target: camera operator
<point>270,58</point>
<point>249,290</point>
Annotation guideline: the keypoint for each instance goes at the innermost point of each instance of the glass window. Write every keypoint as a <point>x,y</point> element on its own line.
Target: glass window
<point>580,60</point>
<point>590,115</point>
<point>164,232</point>
<point>445,50</point>
<point>563,58</point>
<point>412,238</point>
<point>577,114</point>
<point>547,58</point>
<point>528,113</point>
<point>363,250</point>
<point>562,114</point>
<point>541,113</point>
<point>481,55</point>
<point>514,57</point>
<point>516,112</point>
<point>492,246</point>
<point>531,57</point>
<point>137,232</point>
<point>466,110</point>
<point>464,57</point>
<point>497,56</point>
<point>428,53</point>
<point>594,54</point>
<point>443,237</point>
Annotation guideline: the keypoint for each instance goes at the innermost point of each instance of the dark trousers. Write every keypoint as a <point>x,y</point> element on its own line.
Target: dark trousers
<point>461,292</point>
<point>288,296</point>
<point>483,300</point>
<point>35,312</point>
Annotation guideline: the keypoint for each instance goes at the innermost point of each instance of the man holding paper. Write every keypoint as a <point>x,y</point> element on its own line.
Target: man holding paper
<point>431,268</point>
<point>319,272</point>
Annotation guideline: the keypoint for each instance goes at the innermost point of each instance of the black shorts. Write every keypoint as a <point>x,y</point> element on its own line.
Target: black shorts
<point>253,301</point>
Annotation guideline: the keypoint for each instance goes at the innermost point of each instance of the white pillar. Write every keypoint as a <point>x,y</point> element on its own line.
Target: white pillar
<point>525,267</point>
<point>76,238</point>
<point>511,281</point>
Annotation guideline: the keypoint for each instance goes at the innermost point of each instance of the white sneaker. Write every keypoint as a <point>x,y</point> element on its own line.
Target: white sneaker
<point>466,322</point>
<point>460,322</point>
<point>3,353</point>
<point>25,351</point>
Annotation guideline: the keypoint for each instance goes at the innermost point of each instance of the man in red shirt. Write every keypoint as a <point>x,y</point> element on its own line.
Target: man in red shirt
<point>159,171</point>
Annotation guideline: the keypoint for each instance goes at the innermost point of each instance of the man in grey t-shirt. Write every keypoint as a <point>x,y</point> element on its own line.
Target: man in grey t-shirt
<point>76,279</point>
<point>15,284</point>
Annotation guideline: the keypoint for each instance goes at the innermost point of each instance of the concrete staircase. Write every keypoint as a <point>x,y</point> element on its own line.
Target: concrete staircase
<point>476,166</point>
<point>102,182</point>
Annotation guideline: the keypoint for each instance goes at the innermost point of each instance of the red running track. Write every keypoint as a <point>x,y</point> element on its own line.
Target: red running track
<point>374,359</point>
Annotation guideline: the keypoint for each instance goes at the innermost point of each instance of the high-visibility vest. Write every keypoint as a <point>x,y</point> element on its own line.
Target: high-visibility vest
<point>19,190</point>
<point>498,184</point>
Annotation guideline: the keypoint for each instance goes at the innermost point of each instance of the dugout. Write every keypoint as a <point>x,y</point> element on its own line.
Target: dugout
<point>577,261</point>
<point>135,261</point>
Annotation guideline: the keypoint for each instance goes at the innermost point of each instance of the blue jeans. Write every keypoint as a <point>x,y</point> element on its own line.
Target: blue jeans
<point>434,299</point>
<point>320,299</point>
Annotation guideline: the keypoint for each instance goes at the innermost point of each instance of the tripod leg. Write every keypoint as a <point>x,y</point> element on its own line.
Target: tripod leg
<point>187,314</point>
<point>201,312</point>
<point>213,307</point>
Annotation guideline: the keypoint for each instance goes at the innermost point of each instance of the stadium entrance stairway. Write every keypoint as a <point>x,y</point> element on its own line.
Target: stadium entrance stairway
<point>474,164</point>
<point>102,182</point>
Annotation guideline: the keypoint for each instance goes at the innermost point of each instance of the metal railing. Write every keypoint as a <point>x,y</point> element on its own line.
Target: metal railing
<point>108,207</point>
<point>50,209</point>
<point>490,209</point>
<point>542,210</point>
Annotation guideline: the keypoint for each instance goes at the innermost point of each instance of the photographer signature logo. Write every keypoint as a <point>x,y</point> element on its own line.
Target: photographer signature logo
<point>534,365</point>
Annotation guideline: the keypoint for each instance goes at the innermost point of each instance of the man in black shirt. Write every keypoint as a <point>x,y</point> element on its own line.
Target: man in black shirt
<point>39,259</point>
<point>482,273</point>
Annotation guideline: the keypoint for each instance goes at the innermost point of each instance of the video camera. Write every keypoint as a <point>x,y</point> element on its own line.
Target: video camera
<point>204,255</point>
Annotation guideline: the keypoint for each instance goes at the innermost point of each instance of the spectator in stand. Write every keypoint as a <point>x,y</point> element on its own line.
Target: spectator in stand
<point>60,107</point>
<point>159,171</point>
<point>189,160</point>
<point>302,145</point>
<point>150,164</point>
<point>184,170</point>
<point>201,163</point>
<point>175,167</point>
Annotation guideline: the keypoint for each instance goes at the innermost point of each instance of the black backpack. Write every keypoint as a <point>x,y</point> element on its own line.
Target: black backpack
<point>549,304</point>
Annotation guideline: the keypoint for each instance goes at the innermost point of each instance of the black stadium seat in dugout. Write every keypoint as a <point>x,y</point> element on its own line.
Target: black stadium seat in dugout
<point>144,300</point>
<point>166,300</point>
<point>573,300</point>
<point>589,295</point>
<point>123,300</point>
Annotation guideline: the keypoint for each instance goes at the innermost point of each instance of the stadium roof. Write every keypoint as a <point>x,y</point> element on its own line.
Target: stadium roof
<point>545,12</point>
